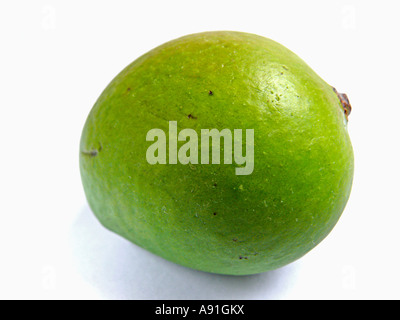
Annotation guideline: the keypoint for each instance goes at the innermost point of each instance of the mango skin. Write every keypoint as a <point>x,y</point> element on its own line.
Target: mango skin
<point>204,216</point>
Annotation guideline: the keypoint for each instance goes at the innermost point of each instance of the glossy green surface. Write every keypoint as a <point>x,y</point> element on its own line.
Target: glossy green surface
<point>204,216</point>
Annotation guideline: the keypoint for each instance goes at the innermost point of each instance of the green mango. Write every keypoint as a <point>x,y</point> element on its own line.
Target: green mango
<point>209,216</point>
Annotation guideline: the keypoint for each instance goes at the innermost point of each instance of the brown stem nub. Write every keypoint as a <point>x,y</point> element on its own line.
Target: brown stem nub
<point>344,100</point>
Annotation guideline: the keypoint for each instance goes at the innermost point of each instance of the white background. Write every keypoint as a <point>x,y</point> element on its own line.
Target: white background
<point>58,56</point>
